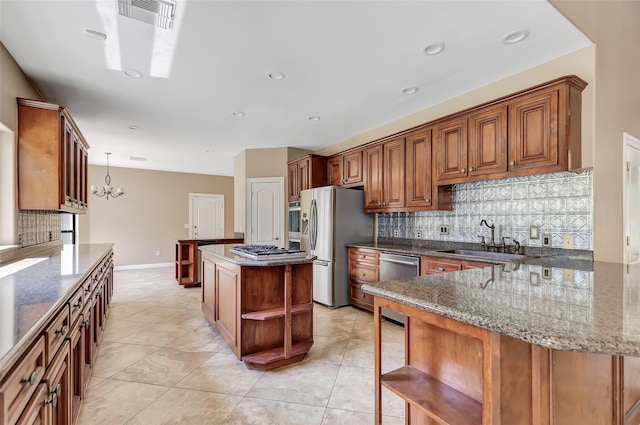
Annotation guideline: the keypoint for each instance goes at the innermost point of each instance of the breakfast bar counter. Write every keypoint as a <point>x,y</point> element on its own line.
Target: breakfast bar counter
<point>516,344</point>
<point>262,308</point>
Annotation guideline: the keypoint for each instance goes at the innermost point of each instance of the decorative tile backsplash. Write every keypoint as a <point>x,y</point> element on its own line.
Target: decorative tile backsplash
<point>35,227</point>
<point>558,203</point>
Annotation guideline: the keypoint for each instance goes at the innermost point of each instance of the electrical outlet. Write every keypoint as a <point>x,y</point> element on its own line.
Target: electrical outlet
<point>546,240</point>
<point>567,275</point>
<point>546,273</point>
<point>157,252</point>
<point>567,242</point>
<point>534,232</point>
<point>443,229</point>
<point>396,233</point>
<point>418,234</point>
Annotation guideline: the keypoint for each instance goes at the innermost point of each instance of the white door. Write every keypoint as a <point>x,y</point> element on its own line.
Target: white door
<point>632,199</point>
<point>206,212</point>
<point>265,215</point>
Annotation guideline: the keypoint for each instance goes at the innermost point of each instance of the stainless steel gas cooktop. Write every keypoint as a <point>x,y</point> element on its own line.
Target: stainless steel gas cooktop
<point>267,252</point>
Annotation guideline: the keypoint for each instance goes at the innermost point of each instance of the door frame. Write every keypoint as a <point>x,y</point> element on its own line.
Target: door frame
<point>633,143</point>
<point>250,181</point>
<point>204,195</point>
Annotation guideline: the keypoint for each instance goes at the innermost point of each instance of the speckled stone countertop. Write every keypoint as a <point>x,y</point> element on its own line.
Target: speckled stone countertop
<point>223,252</point>
<point>30,295</point>
<point>595,310</point>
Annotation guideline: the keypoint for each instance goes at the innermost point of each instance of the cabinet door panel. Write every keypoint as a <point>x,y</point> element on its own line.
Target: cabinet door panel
<point>418,170</point>
<point>227,287</point>
<point>373,178</point>
<point>304,172</point>
<point>352,167</point>
<point>488,141</point>
<point>208,287</point>
<point>533,131</point>
<point>451,149</point>
<point>393,189</point>
<point>292,184</point>
<point>334,170</point>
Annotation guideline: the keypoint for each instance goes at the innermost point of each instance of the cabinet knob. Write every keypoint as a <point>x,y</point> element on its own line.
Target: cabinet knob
<point>428,200</point>
<point>364,274</point>
<point>512,162</point>
<point>470,169</point>
<point>30,380</point>
<point>440,269</point>
<point>462,170</point>
<point>61,331</point>
<point>363,256</point>
<point>362,295</point>
<point>77,305</point>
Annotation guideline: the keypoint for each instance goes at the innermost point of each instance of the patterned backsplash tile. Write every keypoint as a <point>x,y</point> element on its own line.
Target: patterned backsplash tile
<point>558,203</point>
<point>36,227</point>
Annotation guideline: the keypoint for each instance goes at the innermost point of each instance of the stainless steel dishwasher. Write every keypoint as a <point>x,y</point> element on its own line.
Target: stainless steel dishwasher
<point>397,266</point>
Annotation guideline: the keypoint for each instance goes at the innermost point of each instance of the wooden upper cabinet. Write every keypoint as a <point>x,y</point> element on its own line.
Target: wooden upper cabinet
<point>418,184</point>
<point>393,174</point>
<point>450,147</point>
<point>533,123</point>
<point>305,173</point>
<point>487,143</point>
<point>384,176</point>
<point>345,169</point>
<point>52,159</point>
<point>372,158</point>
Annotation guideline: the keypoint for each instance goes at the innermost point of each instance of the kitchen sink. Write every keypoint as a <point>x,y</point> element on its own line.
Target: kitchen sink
<point>501,256</point>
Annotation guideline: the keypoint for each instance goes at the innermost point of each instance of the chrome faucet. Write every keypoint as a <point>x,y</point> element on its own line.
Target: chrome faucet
<point>493,231</point>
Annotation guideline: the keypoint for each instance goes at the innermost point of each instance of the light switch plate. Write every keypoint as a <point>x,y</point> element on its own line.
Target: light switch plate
<point>567,275</point>
<point>186,226</point>
<point>567,242</point>
<point>534,232</point>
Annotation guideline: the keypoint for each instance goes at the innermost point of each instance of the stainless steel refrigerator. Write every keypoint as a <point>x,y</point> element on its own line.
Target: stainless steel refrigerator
<point>331,217</point>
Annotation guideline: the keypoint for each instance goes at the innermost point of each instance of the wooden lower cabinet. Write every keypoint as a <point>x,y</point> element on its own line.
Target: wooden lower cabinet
<point>58,379</point>
<point>265,314</point>
<point>433,265</point>
<point>46,385</point>
<point>456,373</point>
<point>363,268</point>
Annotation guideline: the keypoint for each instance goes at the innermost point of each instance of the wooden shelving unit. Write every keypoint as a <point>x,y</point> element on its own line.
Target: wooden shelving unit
<point>277,312</point>
<point>450,368</point>
<point>187,263</point>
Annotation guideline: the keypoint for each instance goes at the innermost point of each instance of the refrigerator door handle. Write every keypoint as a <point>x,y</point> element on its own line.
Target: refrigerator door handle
<point>313,222</point>
<point>321,263</point>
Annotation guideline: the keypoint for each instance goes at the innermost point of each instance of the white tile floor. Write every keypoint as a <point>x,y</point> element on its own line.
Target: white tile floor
<point>160,362</point>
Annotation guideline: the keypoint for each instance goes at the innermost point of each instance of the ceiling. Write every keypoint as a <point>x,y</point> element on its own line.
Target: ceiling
<point>346,62</point>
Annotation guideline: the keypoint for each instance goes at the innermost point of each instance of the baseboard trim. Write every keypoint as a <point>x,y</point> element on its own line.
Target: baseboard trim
<point>143,266</point>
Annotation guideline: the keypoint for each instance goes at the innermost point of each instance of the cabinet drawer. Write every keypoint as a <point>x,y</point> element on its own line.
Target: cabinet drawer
<point>363,273</point>
<point>56,333</point>
<point>18,386</point>
<point>360,298</point>
<point>435,266</point>
<point>76,303</point>
<point>364,256</point>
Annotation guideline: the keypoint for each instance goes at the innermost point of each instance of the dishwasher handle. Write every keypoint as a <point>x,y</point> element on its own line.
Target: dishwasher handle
<point>408,263</point>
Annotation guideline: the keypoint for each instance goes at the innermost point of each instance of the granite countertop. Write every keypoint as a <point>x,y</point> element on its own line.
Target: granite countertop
<point>30,295</point>
<point>561,308</point>
<point>214,241</point>
<point>571,259</point>
<point>223,252</point>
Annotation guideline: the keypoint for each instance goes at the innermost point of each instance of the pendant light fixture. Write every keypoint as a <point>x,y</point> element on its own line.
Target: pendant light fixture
<point>107,190</point>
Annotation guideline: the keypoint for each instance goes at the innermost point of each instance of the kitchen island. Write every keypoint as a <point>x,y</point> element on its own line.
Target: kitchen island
<point>516,344</point>
<point>262,308</point>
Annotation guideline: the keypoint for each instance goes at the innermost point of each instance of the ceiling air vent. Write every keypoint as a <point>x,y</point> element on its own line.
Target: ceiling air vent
<point>155,12</point>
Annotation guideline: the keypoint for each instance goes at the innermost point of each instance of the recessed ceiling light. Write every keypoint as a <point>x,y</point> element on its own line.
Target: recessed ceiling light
<point>137,158</point>
<point>134,127</point>
<point>210,151</point>
<point>276,75</point>
<point>132,73</point>
<point>95,34</point>
<point>314,118</point>
<point>434,48</point>
<point>515,36</point>
<point>410,90</point>
<point>239,114</point>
